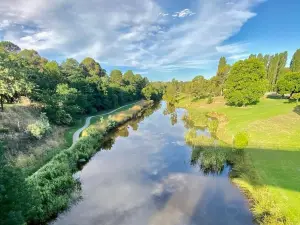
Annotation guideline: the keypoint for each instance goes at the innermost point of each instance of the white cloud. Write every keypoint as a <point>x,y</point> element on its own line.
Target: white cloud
<point>232,48</point>
<point>4,24</point>
<point>163,14</point>
<point>183,13</point>
<point>136,33</point>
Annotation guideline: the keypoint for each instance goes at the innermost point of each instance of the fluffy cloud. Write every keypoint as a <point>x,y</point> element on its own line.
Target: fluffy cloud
<point>127,33</point>
<point>184,13</point>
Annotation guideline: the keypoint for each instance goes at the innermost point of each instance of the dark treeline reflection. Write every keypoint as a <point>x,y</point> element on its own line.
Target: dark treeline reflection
<point>123,131</point>
<point>210,155</point>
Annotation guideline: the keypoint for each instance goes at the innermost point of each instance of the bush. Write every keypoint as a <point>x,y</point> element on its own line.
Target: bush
<point>240,140</point>
<point>62,117</point>
<point>40,127</point>
<point>213,126</point>
<point>210,100</point>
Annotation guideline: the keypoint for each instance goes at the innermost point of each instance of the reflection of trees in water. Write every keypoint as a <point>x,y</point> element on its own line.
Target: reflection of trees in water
<point>210,159</point>
<point>171,110</point>
<point>108,143</point>
<point>123,131</point>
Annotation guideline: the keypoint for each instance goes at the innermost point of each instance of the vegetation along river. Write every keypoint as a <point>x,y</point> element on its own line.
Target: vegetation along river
<point>144,175</point>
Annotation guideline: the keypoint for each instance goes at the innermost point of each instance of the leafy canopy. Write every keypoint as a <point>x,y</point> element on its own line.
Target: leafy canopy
<point>246,82</point>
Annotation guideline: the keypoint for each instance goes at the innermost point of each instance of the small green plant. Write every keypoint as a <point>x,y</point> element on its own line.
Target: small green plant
<point>213,126</point>
<point>210,100</point>
<point>101,120</point>
<point>40,127</point>
<point>241,140</point>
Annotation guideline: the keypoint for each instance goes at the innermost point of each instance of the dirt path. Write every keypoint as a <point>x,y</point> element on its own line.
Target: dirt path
<point>76,135</point>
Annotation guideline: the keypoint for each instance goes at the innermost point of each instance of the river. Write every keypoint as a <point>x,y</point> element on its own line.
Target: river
<point>145,176</point>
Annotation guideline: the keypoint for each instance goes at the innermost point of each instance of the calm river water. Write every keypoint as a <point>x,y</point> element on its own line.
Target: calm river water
<point>144,176</point>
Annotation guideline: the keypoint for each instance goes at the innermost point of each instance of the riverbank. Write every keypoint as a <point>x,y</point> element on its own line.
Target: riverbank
<point>53,184</point>
<point>269,171</point>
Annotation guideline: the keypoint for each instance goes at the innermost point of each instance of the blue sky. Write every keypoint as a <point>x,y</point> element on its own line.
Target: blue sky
<point>161,39</point>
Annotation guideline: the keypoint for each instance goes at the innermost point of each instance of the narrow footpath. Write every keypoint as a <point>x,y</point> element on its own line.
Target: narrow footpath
<point>76,135</point>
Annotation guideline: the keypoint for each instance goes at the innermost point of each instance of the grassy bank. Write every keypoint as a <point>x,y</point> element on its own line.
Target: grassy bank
<point>53,184</point>
<point>269,170</point>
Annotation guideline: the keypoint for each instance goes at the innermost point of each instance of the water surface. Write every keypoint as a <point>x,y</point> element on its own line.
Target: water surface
<point>146,177</point>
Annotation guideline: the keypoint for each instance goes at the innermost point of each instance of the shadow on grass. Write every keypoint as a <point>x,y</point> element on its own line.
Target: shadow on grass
<point>279,168</point>
<point>297,109</point>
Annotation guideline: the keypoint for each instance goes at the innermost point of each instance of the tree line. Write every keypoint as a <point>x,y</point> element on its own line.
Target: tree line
<point>245,81</point>
<point>65,90</point>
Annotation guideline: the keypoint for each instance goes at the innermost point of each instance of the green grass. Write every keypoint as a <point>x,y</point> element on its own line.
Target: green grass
<point>98,116</point>
<point>80,122</point>
<point>270,172</point>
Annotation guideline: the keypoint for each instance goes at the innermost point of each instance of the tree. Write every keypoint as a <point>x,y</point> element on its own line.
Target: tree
<point>151,92</point>
<point>116,77</point>
<point>52,68</point>
<point>9,47</point>
<point>282,58</point>
<point>295,63</point>
<point>128,77</point>
<point>13,78</point>
<point>223,69</point>
<point>289,83</point>
<point>92,68</point>
<point>33,58</point>
<point>172,92</point>
<point>246,82</point>
<point>200,87</point>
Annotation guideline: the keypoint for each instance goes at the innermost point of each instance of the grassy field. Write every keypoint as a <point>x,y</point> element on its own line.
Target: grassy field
<point>270,174</point>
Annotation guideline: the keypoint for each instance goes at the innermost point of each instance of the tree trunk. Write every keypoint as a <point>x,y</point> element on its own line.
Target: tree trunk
<point>1,101</point>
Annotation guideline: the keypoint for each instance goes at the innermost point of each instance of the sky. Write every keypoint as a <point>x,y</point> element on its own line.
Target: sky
<point>161,39</point>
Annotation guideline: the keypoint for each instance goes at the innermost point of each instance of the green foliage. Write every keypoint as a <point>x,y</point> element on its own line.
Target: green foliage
<point>289,83</point>
<point>213,125</point>
<point>295,63</point>
<point>40,127</point>
<point>200,87</point>
<point>116,77</point>
<point>172,92</point>
<point>222,73</point>
<point>240,140</point>
<point>210,99</point>
<point>17,198</point>
<point>296,96</point>
<point>152,92</point>
<point>246,82</point>
<point>9,47</point>
<point>92,68</point>
<point>12,78</point>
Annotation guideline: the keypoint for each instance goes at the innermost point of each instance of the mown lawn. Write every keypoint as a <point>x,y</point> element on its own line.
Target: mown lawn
<point>273,178</point>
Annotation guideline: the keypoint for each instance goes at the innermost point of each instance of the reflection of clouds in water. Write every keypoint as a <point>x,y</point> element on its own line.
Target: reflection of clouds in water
<point>170,184</point>
<point>179,143</point>
<point>143,180</point>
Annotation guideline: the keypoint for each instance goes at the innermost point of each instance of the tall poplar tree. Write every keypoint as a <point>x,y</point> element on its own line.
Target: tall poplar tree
<point>295,63</point>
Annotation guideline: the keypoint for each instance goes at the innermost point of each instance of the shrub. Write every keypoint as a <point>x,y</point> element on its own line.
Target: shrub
<point>210,100</point>
<point>62,117</point>
<point>213,126</point>
<point>240,140</point>
<point>40,127</point>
